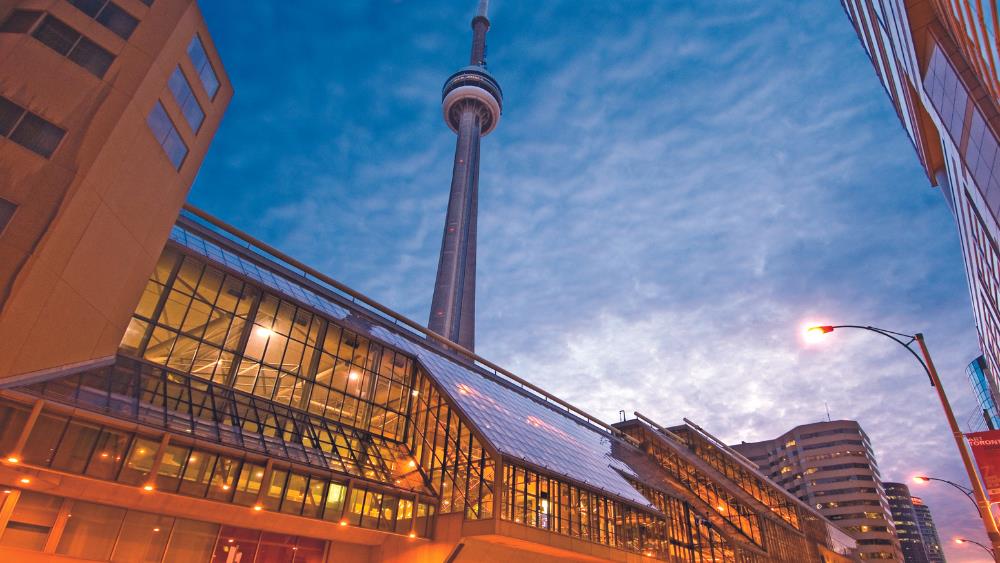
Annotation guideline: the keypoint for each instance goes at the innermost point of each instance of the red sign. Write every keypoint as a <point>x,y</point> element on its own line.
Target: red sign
<point>986,449</point>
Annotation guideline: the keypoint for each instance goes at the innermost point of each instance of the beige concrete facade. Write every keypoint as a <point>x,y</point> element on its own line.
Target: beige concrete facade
<point>831,466</point>
<point>92,218</point>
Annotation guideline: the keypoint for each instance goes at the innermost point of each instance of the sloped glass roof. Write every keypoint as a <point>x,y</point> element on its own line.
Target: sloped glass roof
<point>155,396</point>
<point>516,423</point>
<point>522,427</point>
<point>251,270</point>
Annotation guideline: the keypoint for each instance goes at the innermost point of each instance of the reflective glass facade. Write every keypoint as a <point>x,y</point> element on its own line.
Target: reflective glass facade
<point>988,417</point>
<point>938,63</point>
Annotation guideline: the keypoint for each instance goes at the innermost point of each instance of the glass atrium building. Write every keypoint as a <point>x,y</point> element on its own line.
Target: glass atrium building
<point>255,407</point>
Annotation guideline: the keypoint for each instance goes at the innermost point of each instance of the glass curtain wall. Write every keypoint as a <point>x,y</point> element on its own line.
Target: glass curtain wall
<point>61,443</point>
<point>540,501</point>
<point>754,485</point>
<point>734,511</point>
<point>459,467</point>
<point>198,320</point>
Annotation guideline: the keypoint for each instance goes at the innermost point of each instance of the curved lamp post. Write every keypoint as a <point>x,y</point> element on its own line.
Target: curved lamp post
<point>965,490</point>
<point>924,359</point>
<point>966,540</point>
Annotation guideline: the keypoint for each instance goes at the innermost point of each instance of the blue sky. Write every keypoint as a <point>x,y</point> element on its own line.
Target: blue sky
<point>673,190</point>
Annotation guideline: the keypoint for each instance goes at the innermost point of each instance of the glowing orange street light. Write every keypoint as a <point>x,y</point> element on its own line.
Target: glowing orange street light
<point>815,332</point>
<point>967,540</point>
<point>923,479</point>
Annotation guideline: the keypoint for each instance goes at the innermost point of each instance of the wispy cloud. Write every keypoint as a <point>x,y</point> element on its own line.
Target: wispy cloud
<point>674,188</point>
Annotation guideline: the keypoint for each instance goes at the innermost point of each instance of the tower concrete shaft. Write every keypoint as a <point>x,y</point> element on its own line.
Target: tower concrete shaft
<point>472,102</point>
<point>454,304</point>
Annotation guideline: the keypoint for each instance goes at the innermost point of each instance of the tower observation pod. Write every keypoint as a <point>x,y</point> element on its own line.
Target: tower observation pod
<point>472,102</point>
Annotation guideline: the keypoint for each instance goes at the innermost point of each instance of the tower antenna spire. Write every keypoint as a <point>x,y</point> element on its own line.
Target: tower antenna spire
<point>472,102</point>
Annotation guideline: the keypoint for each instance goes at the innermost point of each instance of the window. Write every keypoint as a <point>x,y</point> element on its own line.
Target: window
<point>108,14</point>
<point>184,96</point>
<point>91,531</point>
<point>196,51</point>
<point>28,130</point>
<point>7,209</point>
<point>33,517</point>
<point>20,21</point>
<point>66,41</point>
<point>166,134</point>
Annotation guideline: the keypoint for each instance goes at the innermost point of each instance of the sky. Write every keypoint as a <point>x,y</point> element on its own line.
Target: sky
<point>674,189</point>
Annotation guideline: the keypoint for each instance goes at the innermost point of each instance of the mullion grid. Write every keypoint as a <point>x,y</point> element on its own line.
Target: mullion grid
<point>449,452</point>
<point>708,492</point>
<point>396,374</point>
<point>749,483</point>
<point>579,513</point>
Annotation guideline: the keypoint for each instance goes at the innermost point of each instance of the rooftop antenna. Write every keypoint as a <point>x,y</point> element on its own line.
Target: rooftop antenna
<point>827,411</point>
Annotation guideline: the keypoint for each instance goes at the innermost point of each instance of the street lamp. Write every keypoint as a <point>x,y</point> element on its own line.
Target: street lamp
<point>813,333</point>
<point>923,479</point>
<point>966,540</point>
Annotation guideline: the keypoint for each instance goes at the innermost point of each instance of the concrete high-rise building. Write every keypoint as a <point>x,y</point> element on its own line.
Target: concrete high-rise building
<point>831,466</point>
<point>928,531</point>
<point>107,108</point>
<point>175,390</point>
<point>905,519</point>
<point>472,102</point>
<point>938,61</point>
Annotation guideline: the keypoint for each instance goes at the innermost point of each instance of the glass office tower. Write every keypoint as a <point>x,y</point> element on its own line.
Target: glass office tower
<point>938,63</point>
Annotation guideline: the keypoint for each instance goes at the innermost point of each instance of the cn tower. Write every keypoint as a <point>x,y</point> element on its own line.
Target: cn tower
<point>472,102</point>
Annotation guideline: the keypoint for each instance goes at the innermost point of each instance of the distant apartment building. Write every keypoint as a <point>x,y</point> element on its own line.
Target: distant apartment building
<point>831,466</point>
<point>938,61</point>
<point>905,519</point>
<point>928,531</point>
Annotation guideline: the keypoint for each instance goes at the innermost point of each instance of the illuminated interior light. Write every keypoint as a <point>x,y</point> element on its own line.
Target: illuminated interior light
<point>257,508</point>
<point>25,480</point>
<point>147,488</point>
<point>13,459</point>
<point>411,464</point>
<point>414,392</point>
<point>260,474</point>
<point>413,535</point>
<point>263,332</point>
<point>225,487</point>
<point>230,540</point>
<point>156,529</point>
<point>104,454</point>
<point>343,522</point>
<point>6,491</point>
<point>353,375</point>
